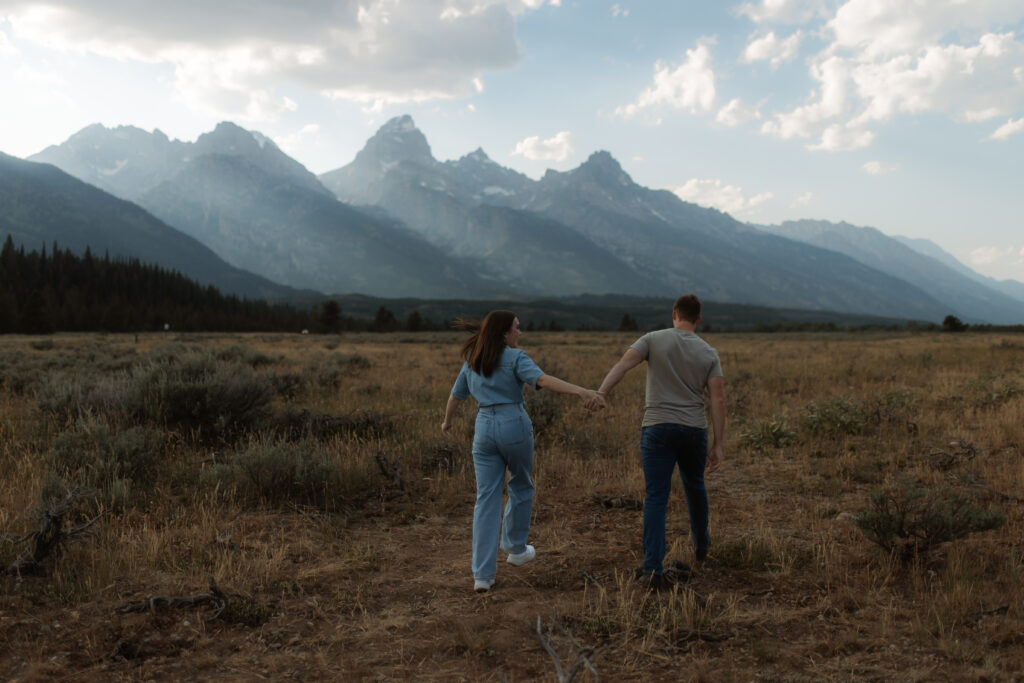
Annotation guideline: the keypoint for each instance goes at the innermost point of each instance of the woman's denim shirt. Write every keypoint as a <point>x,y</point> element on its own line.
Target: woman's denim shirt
<point>505,385</point>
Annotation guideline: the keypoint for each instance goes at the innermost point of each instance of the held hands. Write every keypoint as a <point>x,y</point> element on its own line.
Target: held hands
<point>593,400</point>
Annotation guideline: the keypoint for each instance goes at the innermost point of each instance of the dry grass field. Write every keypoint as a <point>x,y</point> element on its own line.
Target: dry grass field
<point>308,476</point>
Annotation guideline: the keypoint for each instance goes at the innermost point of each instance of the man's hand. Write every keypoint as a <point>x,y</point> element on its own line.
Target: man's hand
<point>594,400</point>
<point>714,459</point>
<point>446,429</point>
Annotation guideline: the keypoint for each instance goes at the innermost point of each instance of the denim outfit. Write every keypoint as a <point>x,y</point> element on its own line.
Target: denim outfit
<point>674,434</point>
<point>502,439</point>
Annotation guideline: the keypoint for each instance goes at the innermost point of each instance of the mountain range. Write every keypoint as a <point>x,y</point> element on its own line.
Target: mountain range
<point>939,277</point>
<point>397,222</point>
<point>40,205</point>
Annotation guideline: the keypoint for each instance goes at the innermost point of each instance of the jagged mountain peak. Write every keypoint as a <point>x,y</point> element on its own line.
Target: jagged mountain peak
<point>399,124</point>
<point>600,169</point>
<point>397,140</point>
<point>602,166</point>
<point>230,138</point>
<point>478,155</point>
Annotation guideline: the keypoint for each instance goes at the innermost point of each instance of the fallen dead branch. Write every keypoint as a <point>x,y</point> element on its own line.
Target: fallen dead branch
<point>969,480</point>
<point>942,459</point>
<point>583,653</point>
<point>617,502</point>
<point>52,533</point>
<point>215,598</point>
<point>390,468</point>
<point>1000,610</point>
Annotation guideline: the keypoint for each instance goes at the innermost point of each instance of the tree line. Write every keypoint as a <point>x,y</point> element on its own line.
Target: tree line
<point>56,290</point>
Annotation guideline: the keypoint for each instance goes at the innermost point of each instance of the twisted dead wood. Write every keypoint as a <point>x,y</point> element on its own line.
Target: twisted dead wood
<point>215,598</point>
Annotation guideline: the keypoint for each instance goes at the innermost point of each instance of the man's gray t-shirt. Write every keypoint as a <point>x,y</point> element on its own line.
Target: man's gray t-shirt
<point>679,365</point>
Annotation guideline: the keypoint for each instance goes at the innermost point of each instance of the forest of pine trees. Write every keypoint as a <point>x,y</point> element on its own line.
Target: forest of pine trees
<point>43,292</point>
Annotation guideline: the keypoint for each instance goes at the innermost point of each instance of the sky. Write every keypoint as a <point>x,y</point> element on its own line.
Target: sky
<point>902,115</point>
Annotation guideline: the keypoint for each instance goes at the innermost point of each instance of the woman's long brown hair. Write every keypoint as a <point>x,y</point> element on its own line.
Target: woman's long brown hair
<point>483,350</point>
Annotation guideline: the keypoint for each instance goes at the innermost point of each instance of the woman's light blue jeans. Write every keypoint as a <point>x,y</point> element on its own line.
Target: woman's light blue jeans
<point>663,448</point>
<point>503,439</point>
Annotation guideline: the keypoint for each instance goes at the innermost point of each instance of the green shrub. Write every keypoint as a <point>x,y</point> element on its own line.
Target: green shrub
<point>288,385</point>
<point>763,435</point>
<point>243,355</point>
<point>330,371</point>
<point>294,424</point>
<point>199,395</point>
<point>111,465</point>
<point>896,407</point>
<point>285,472</point>
<point>909,519</point>
<point>834,418</point>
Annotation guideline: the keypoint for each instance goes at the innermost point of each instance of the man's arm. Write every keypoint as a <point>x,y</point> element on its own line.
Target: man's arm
<point>630,359</point>
<point>716,388</point>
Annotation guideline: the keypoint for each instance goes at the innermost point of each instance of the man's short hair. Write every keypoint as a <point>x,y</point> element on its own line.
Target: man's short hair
<point>687,307</point>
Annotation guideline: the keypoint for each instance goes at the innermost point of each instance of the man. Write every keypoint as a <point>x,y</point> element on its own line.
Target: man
<point>674,429</point>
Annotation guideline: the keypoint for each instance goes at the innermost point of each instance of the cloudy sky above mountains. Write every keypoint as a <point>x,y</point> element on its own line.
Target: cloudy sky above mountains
<point>905,115</point>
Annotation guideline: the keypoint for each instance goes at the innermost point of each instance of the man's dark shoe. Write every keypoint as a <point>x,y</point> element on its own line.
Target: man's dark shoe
<point>654,582</point>
<point>678,572</point>
<point>701,553</point>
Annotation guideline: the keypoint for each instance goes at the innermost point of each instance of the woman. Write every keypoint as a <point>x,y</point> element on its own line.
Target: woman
<point>494,372</point>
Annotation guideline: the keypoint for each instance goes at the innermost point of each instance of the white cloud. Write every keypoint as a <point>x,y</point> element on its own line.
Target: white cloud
<point>690,86</point>
<point>1011,127</point>
<point>982,115</point>
<point>877,168</point>
<point>783,11</point>
<point>902,57</point>
<point>771,49</point>
<point>230,56</point>
<point>950,78</point>
<point>736,113</point>
<point>307,135</point>
<point>895,27</point>
<point>843,138</point>
<point>832,100</point>
<point>6,49</point>
<point>715,193</point>
<point>1006,256</point>
<point>558,148</point>
<point>802,199</point>
<point>618,11</point>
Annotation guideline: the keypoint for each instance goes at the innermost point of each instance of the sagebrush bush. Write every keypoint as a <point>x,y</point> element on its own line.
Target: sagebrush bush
<point>834,417</point>
<point>294,423</point>
<point>109,464</point>
<point>763,435</point>
<point>330,371</point>
<point>279,472</point>
<point>909,518</point>
<point>200,396</point>
<point>244,355</point>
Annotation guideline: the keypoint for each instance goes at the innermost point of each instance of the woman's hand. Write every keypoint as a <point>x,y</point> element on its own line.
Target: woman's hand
<point>593,400</point>
<point>449,413</point>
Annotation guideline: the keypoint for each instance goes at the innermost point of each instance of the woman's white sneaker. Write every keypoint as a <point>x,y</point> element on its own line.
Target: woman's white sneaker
<point>522,558</point>
<point>482,585</point>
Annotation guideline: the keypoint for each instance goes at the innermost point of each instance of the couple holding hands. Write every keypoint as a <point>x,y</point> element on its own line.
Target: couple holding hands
<point>674,431</point>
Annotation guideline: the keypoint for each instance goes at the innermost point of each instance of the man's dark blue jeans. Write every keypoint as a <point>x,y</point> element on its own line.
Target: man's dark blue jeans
<point>663,446</point>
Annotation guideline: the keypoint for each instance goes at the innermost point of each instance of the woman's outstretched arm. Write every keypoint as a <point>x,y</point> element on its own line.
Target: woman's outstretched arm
<point>589,396</point>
